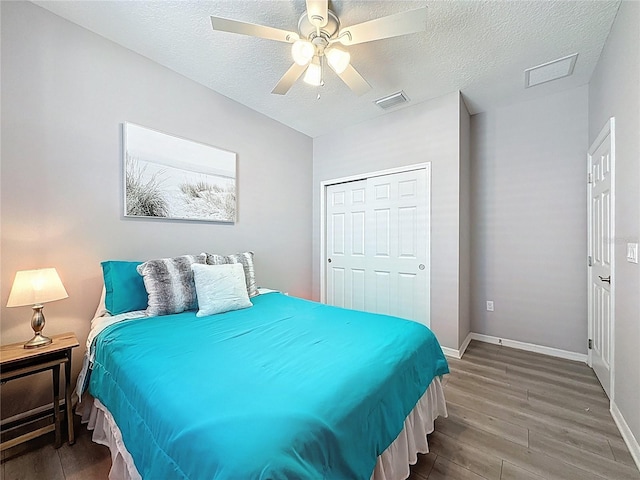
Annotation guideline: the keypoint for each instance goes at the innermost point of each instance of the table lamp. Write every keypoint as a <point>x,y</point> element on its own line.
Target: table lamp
<point>35,287</point>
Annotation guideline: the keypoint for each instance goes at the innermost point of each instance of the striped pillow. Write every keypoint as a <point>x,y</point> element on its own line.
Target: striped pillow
<point>246,259</point>
<point>169,283</point>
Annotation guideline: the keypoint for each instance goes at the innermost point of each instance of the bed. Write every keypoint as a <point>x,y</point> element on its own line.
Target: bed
<point>284,389</point>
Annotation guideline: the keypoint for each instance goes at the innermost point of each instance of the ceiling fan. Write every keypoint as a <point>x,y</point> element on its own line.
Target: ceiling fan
<point>314,45</point>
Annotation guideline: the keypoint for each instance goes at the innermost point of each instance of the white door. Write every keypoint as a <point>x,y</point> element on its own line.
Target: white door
<point>601,247</point>
<point>377,233</point>
<point>345,227</point>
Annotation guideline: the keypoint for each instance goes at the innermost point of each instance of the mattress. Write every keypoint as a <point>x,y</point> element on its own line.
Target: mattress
<point>285,389</point>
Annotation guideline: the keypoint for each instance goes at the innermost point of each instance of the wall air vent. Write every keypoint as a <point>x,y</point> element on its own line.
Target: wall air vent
<point>563,67</point>
<point>392,100</point>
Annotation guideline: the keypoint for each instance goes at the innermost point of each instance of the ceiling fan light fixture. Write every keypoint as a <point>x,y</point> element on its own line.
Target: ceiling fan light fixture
<point>313,75</point>
<point>318,30</point>
<point>302,51</point>
<point>338,59</point>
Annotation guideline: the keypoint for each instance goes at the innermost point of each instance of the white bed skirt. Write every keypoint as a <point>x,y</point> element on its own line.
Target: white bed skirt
<point>393,464</point>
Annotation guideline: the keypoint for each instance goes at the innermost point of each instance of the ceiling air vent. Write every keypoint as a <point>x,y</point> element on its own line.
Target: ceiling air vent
<point>563,67</point>
<point>392,100</point>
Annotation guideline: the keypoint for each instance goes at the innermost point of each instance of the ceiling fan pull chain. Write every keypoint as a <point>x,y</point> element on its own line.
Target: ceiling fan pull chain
<point>321,81</point>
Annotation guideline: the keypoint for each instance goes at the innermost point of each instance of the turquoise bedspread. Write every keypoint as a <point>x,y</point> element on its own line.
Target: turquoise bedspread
<point>286,389</point>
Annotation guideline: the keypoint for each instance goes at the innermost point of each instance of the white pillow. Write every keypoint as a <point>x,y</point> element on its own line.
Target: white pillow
<point>220,288</point>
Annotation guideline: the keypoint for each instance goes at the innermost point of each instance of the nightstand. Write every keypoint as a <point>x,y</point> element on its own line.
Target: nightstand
<point>17,362</point>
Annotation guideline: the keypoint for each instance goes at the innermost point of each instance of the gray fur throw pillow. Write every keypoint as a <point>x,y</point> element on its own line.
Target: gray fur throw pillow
<point>169,283</point>
<point>246,259</point>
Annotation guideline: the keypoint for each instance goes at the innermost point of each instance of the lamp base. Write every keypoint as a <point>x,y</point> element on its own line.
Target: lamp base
<point>37,341</point>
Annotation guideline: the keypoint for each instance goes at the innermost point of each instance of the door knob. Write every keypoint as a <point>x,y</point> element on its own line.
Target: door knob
<point>605,279</point>
<point>421,266</point>
<point>329,260</point>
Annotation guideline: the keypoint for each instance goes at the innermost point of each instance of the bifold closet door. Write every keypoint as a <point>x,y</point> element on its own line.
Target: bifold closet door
<point>377,234</point>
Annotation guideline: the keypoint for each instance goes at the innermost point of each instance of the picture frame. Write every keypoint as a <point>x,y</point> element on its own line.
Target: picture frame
<point>173,178</point>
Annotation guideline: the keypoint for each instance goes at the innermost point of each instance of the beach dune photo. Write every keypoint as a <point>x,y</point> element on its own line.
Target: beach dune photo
<point>174,178</point>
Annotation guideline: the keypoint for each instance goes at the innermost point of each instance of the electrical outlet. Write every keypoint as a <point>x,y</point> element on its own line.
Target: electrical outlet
<point>489,305</point>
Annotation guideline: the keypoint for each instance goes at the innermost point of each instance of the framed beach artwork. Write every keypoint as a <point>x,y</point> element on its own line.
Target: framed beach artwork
<point>174,178</point>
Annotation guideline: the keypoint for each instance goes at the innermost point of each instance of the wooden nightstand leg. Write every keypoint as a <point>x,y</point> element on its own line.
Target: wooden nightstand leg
<point>56,403</point>
<point>67,400</point>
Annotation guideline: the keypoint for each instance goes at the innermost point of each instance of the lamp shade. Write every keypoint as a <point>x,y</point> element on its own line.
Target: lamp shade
<point>338,59</point>
<point>302,51</point>
<point>313,75</point>
<point>34,287</point>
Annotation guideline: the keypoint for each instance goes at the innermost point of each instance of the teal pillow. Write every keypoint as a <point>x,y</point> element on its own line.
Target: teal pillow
<point>124,287</point>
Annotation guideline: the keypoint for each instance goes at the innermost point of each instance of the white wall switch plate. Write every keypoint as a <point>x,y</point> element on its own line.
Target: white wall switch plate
<point>632,252</point>
<point>489,305</point>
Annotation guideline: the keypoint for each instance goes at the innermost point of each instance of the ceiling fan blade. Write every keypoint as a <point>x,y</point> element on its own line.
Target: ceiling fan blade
<point>403,23</point>
<point>252,29</point>
<point>289,78</point>
<point>317,12</point>
<point>354,80</point>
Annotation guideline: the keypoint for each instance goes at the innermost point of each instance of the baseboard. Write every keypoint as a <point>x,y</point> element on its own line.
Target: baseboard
<point>627,434</point>
<point>452,352</point>
<point>531,347</point>
<point>465,344</point>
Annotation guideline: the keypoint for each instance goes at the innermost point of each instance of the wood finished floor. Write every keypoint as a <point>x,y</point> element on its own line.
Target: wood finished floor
<point>513,415</point>
<point>516,415</point>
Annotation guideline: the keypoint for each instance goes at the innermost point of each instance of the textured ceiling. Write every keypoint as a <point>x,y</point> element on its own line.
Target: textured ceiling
<point>479,47</point>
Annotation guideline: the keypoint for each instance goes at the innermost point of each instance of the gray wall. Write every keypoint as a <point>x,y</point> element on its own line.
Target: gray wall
<point>426,132</point>
<point>65,94</point>
<point>614,91</point>
<point>464,292</point>
<point>529,226</point>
